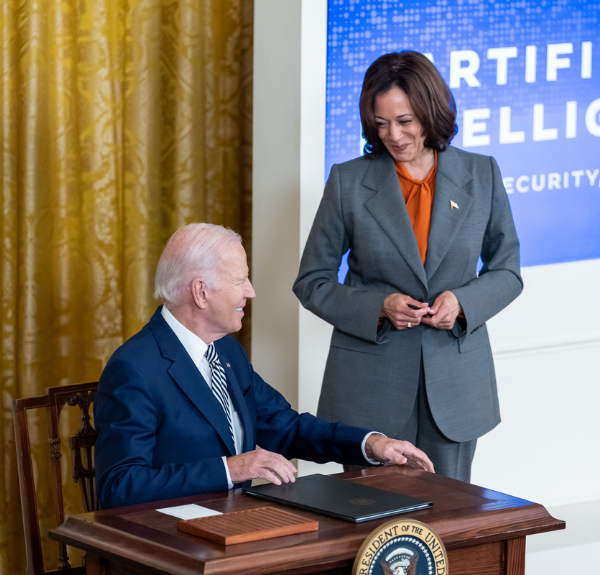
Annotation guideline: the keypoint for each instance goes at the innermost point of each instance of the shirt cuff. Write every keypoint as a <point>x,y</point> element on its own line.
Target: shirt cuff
<point>229,482</point>
<point>362,447</point>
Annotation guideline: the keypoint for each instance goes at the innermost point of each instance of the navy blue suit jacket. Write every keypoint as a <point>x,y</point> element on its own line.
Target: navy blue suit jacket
<point>162,433</point>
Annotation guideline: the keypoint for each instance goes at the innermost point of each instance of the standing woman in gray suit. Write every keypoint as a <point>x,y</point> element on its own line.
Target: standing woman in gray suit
<point>410,353</point>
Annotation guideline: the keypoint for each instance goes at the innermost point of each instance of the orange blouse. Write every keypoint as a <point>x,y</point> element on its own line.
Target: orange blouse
<point>418,195</point>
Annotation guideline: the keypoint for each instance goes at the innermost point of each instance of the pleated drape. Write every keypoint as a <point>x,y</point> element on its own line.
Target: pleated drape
<point>122,120</point>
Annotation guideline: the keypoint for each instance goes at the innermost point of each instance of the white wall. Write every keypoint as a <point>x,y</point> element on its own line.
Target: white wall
<point>276,198</point>
<point>546,344</point>
<point>547,355</point>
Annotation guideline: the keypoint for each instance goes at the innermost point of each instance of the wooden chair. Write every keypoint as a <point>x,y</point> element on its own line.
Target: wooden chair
<point>82,466</point>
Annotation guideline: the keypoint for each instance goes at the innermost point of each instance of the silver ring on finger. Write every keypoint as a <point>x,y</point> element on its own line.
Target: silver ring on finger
<point>435,325</point>
<point>409,325</point>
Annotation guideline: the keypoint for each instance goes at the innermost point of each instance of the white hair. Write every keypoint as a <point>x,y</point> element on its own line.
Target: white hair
<point>191,252</point>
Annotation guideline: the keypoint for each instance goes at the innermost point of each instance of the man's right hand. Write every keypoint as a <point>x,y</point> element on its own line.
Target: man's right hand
<point>261,463</point>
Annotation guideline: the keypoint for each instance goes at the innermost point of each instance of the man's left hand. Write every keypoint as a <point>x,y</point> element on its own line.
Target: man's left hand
<point>398,452</point>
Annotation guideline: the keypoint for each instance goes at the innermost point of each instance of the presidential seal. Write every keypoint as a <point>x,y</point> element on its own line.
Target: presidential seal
<point>402,547</point>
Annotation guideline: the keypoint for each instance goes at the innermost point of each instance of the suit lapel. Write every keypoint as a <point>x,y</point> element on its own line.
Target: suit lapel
<point>200,394</point>
<point>235,391</point>
<point>446,220</point>
<point>186,375</point>
<point>388,208</point>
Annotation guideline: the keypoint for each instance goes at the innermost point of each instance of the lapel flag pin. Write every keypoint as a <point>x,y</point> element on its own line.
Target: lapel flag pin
<point>453,205</point>
<point>228,365</point>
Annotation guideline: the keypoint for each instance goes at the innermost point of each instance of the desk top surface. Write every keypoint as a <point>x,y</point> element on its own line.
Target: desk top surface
<point>462,514</point>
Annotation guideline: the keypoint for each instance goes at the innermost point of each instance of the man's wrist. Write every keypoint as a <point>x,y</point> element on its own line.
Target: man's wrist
<point>363,447</point>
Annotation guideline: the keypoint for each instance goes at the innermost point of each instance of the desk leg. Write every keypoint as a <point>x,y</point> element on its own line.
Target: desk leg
<point>515,556</point>
<point>95,565</point>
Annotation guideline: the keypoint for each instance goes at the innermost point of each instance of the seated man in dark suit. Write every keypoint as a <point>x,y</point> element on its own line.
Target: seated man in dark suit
<point>179,409</point>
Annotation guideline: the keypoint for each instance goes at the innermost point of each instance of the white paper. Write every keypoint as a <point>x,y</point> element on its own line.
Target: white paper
<point>189,511</point>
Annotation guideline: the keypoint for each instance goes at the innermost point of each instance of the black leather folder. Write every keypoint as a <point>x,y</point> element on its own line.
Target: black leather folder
<point>338,498</point>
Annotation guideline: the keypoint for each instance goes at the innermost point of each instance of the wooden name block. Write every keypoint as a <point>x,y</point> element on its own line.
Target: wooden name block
<point>248,525</point>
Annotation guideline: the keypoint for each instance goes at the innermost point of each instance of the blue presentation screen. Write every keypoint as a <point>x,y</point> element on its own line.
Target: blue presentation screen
<point>526,79</point>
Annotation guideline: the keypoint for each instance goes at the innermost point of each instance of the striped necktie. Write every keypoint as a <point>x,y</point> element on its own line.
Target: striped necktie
<point>219,384</point>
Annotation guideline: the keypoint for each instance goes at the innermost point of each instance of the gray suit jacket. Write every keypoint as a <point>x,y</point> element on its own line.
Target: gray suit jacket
<point>371,376</point>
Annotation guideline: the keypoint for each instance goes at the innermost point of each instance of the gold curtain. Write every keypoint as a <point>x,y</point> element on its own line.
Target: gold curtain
<point>122,120</point>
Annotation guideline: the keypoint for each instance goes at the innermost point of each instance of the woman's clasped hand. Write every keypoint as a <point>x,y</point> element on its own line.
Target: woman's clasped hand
<point>405,312</point>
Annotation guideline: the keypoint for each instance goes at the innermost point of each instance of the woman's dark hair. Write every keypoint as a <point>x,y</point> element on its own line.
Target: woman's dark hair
<point>430,98</point>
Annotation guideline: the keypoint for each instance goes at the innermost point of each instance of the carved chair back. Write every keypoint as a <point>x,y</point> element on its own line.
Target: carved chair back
<point>81,445</point>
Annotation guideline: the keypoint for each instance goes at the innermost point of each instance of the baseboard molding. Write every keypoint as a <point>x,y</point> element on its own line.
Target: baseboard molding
<point>545,345</point>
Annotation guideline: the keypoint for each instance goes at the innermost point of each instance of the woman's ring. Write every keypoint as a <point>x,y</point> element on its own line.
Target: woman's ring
<point>409,325</point>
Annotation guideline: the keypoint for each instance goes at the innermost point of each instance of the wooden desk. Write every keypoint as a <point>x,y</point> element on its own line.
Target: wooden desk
<point>484,533</point>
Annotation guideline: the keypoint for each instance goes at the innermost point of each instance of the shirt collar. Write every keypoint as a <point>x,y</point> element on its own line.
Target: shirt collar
<point>404,173</point>
<point>195,347</point>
